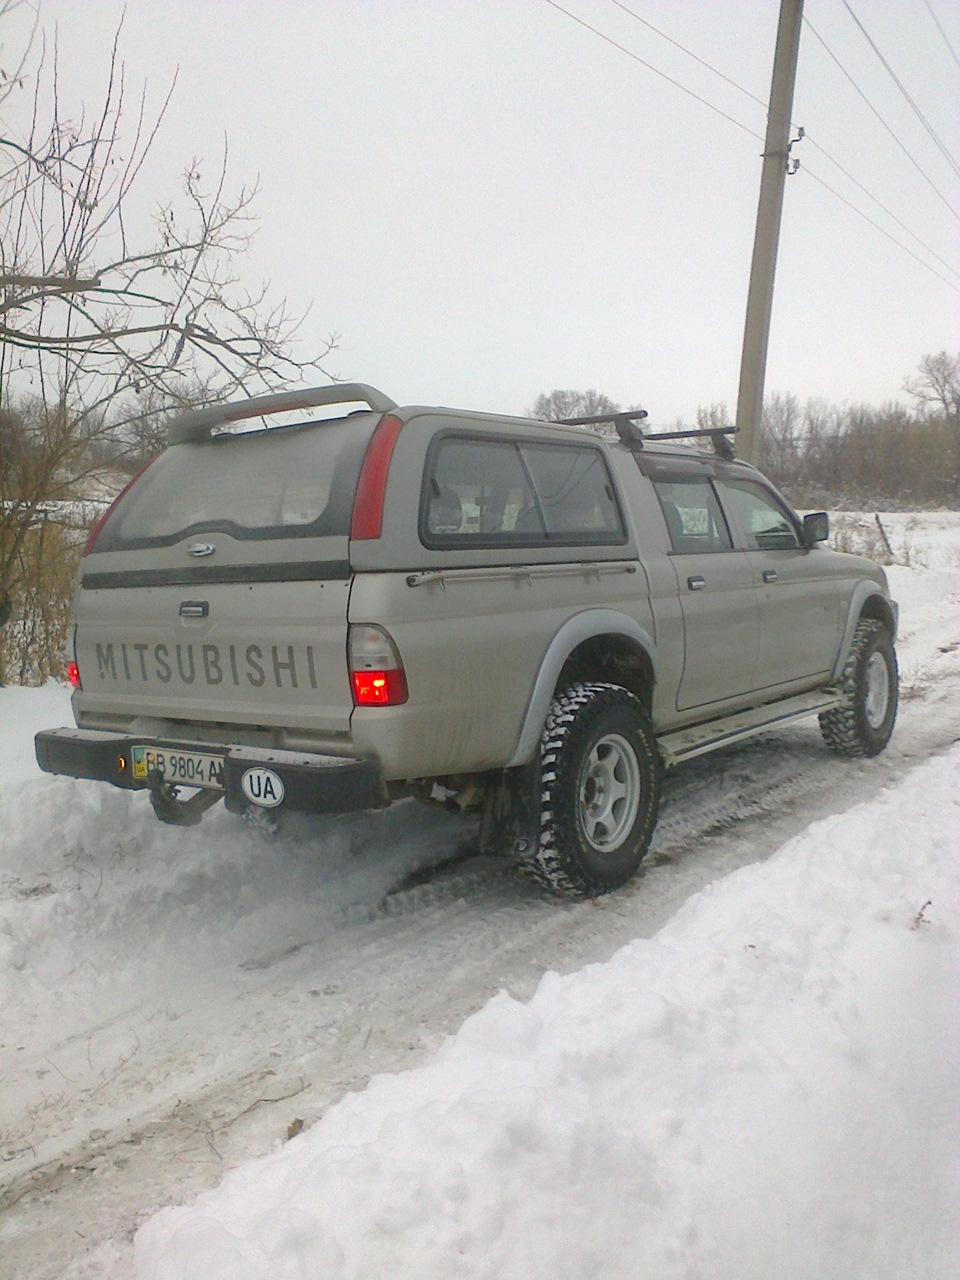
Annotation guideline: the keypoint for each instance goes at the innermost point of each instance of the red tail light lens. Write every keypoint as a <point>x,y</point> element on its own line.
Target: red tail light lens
<point>367,519</point>
<point>73,674</point>
<point>379,688</point>
<point>376,672</point>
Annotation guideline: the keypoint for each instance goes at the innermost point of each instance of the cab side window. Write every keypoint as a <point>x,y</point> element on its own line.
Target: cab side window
<point>765,523</point>
<point>517,492</point>
<point>693,516</point>
<point>475,488</point>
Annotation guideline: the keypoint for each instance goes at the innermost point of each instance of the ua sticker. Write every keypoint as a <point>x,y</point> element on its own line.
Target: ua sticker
<point>263,787</point>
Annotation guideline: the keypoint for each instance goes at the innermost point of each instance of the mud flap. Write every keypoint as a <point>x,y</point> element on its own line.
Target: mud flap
<point>510,821</point>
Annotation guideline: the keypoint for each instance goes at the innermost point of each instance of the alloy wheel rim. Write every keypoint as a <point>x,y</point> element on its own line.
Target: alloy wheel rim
<point>609,792</point>
<point>877,690</point>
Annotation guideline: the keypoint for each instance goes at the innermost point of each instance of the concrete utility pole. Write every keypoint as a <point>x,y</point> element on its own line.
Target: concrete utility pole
<point>776,149</point>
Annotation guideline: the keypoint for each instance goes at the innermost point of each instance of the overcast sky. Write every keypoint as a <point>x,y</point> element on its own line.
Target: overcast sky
<point>486,200</point>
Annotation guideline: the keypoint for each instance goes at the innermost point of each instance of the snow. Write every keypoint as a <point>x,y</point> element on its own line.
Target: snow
<point>761,1083</point>
<point>766,1088</point>
<point>924,540</point>
<point>24,711</point>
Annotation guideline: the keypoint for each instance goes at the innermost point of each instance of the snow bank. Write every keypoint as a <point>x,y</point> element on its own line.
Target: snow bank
<point>767,1088</point>
<point>22,713</point>
<point>922,539</point>
<point>130,951</point>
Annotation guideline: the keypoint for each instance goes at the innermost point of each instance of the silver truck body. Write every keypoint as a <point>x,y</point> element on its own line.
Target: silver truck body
<point>502,559</point>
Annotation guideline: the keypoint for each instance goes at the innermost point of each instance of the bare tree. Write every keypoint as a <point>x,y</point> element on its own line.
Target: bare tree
<point>140,422</point>
<point>936,385</point>
<point>103,323</point>
<point>571,404</point>
<point>12,75</point>
<point>780,430</point>
<point>712,417</point>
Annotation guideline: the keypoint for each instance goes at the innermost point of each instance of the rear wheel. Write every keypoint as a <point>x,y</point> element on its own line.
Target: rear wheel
<point>600,790</point>
<point>862,724</point>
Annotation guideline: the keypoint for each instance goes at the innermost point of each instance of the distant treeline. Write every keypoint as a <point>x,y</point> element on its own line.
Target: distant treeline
<point>56,465</point>
<point>859,457</point>
<point>854,457</point>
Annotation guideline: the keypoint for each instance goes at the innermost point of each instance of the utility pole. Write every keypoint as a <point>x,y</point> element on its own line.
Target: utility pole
<point>776,160</point>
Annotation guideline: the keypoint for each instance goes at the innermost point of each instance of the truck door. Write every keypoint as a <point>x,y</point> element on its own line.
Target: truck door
<point>716,590</point>
<point>798,603</point>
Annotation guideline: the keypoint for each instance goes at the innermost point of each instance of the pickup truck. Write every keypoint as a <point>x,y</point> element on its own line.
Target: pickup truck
<point>530,620</point>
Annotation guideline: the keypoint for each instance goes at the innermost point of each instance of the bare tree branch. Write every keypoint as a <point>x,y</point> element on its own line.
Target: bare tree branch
<point>937,383</point>
<point>106,325</point>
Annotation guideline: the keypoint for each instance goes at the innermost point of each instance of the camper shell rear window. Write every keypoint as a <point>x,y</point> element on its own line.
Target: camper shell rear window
<point>284,482</point>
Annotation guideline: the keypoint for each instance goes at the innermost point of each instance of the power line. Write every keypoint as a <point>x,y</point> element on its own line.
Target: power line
<point>877,201</point>
<point>710,106</point>
<point>916,164</point>
<point>942,32</point>
<point>896,80</point>
<point>656,71</point>
<point>893,239</point>
<point>807,136</point>
<point>690,54</point>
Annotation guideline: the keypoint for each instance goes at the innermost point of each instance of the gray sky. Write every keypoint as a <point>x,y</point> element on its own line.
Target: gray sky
<point>486,200</point>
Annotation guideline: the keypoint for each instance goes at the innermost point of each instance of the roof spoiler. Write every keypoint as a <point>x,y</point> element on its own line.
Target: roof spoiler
<point>199,424</point>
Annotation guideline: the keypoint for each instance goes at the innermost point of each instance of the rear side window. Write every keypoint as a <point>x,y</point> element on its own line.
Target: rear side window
<point>285,482</point>
<point>693,516</point>
<point>497,492</point>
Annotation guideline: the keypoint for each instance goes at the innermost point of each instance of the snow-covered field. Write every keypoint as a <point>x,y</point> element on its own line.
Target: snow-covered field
<point>755,1076</point>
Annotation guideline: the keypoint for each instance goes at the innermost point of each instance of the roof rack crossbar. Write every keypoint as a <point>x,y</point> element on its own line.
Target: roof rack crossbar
<point>627,423</point>
<point>199,424</point>
<point>632,435</point>
<point>694,431</point>
<point>718,435</point>
<point>631,415</point>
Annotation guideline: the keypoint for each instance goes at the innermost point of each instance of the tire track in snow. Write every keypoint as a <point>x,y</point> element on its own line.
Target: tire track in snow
<point>382,983</point>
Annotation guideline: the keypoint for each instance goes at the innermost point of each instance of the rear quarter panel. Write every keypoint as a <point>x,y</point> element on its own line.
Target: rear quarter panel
<point>472,648</point>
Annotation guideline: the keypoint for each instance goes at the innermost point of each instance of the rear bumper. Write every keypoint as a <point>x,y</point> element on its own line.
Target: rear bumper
<point>311,783</point>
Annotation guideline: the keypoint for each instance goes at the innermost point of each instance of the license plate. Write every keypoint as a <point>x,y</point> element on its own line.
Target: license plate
<point>181,768</point>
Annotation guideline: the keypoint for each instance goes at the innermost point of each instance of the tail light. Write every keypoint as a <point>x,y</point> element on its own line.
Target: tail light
<point>73,671</point>
<point>376,672</point>
<point>367,521</point>
<point>98,527</point>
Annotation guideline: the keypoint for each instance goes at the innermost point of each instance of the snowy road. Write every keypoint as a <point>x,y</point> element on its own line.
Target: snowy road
<point>173,1002</point>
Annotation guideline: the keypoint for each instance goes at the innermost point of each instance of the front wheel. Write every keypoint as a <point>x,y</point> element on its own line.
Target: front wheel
<point>863,722</point>
<point>600,790</point>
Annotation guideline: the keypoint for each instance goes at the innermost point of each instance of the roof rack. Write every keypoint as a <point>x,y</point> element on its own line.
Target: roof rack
<point>199,424</point>
<point>625,423</point>
<point>630,432</point>
<point>718,438</point>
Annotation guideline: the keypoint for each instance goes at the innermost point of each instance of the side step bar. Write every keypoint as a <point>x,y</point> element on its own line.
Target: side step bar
<point>684,744</point>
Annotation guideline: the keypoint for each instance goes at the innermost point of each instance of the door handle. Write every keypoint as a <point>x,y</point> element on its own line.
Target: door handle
<point>696,583</point>
<point>194,609</point>
<point>769,575</point>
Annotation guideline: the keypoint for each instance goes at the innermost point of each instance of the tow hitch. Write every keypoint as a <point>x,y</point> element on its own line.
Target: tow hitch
<point>175,812</point>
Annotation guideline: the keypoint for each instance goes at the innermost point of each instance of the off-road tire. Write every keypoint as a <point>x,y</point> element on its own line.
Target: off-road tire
<point>600,791</point>
<point>862,724</point>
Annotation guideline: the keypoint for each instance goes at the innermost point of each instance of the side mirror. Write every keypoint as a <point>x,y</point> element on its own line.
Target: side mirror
<point>816,527</point>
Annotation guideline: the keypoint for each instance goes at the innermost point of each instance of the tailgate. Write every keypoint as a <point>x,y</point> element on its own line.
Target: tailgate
<point>217,589</point>
<point>269,653</point>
